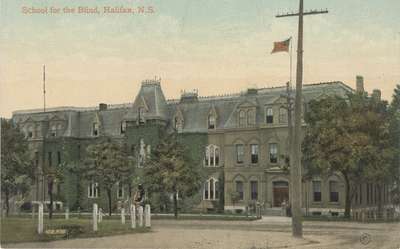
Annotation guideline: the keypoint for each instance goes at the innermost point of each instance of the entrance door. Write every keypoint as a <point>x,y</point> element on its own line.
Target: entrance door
<point>281,193</point>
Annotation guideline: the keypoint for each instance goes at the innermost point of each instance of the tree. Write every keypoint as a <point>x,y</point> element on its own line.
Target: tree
<point>53,175</point>
<point>107,163</point>
<point>394,131</point>
<point>350,136</point>
<point>170,170</point>
<point>16,165</point>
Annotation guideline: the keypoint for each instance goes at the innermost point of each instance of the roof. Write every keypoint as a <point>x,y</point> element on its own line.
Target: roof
<point>195,113</point>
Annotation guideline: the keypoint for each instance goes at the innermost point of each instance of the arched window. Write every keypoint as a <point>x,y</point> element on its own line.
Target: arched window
<point>207,158</point>
<point>242,118</point>
<point>211,121</point>
<point>212,156</point>
<point>211,189</point>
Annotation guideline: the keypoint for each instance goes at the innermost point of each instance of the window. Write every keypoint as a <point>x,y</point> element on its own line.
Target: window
<point>242,118</point>
<point>333,190</point>
<point>211,189</point>
<point>254,190</point>
<point>178,123</point>
<point>93,190</point>
<point>254,153</point>
<point>212,156</point>
<point>273,153</point>
<point>53,131</point>
<point>206,191</point>
<point>120,192</point>
<point>251,117</point>
<point>270,116</point>
<point>211,121</point>
<point>58,157</point>
<point>283,115</point>
<point>141,115</point>
<point>317,191</point>
<point>36,158</point>
<point>123,127</point>
<point>49,159</point>
<point>30,132</point>
<point>95,129</point>
<point>360,188</point>
<point>239,189</point>
<point>239,153</point>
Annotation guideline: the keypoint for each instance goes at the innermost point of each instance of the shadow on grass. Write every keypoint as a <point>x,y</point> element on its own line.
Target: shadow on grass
<point>18,230</point>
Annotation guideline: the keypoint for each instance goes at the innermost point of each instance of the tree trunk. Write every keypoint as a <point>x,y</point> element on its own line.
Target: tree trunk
<point>109,201</point>
<point>50,192</point>
<point>175,205</point>
<point>347,206</point>
<point>7,192</point>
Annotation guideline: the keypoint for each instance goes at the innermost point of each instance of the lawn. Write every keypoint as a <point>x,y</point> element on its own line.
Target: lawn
<point>25,229</point>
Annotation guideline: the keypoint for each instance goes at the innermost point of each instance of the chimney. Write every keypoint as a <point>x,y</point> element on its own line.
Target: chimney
<point>376,94</point>
<point>359,84</point>
<point>102,106</point>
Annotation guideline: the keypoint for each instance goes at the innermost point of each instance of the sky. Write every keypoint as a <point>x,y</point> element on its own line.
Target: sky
<point>217,47</point>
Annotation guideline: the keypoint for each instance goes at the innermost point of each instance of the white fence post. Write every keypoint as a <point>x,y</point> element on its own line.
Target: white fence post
<point>67,213</point>
<point>94,217</point>
<point>100,215</point>
<point>40,218</point>
<point>133,216</point>
<point>123,215</point>
<point>140,216</point>
<point>147,212</point>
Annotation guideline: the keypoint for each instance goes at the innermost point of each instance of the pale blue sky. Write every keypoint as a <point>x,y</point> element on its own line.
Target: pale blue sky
<point>215,46</point>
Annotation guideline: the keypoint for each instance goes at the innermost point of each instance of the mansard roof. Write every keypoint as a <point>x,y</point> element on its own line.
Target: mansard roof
<point>195,113</point>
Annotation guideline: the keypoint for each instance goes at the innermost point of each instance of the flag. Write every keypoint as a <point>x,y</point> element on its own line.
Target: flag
<point>282,46</point>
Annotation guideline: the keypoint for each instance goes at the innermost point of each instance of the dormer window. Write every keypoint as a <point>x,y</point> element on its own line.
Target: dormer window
<point>30,132</point>
<point>141,115</point>
<point>251,117</point>
<point>53,131</point>
<point>95,129</point>
<point>242,118</point>
<point>283,115</point>
<point>211,121</point>
<point>123,127</point>
<point>269,115</point>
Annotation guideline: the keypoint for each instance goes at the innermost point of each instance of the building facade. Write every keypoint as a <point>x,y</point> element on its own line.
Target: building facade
<point>239,140</point>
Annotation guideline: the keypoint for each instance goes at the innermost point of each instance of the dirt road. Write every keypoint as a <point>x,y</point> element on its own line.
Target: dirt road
<point>273,232</point>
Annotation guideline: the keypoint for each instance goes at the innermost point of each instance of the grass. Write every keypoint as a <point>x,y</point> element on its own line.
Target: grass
<point>14,230</point>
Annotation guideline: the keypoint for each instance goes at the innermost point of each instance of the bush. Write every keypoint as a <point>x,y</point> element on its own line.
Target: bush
<point>26,206</point>
<point>73,230</point>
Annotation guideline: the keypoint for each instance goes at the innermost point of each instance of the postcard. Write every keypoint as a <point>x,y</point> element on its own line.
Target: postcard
<point>200,124</point>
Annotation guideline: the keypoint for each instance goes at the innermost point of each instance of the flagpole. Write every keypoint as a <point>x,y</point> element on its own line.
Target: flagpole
<point>44,88</point>
<point>291,63</point>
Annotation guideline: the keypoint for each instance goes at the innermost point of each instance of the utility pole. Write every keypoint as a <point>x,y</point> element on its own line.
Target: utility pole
<point>295,164</point>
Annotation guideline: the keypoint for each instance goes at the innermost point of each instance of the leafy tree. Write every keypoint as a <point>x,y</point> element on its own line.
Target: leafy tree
<point>16,164</point>
<point>350,136</point>
<point>169,170</point>
<point>107,163</point>
<point>394,130</point>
